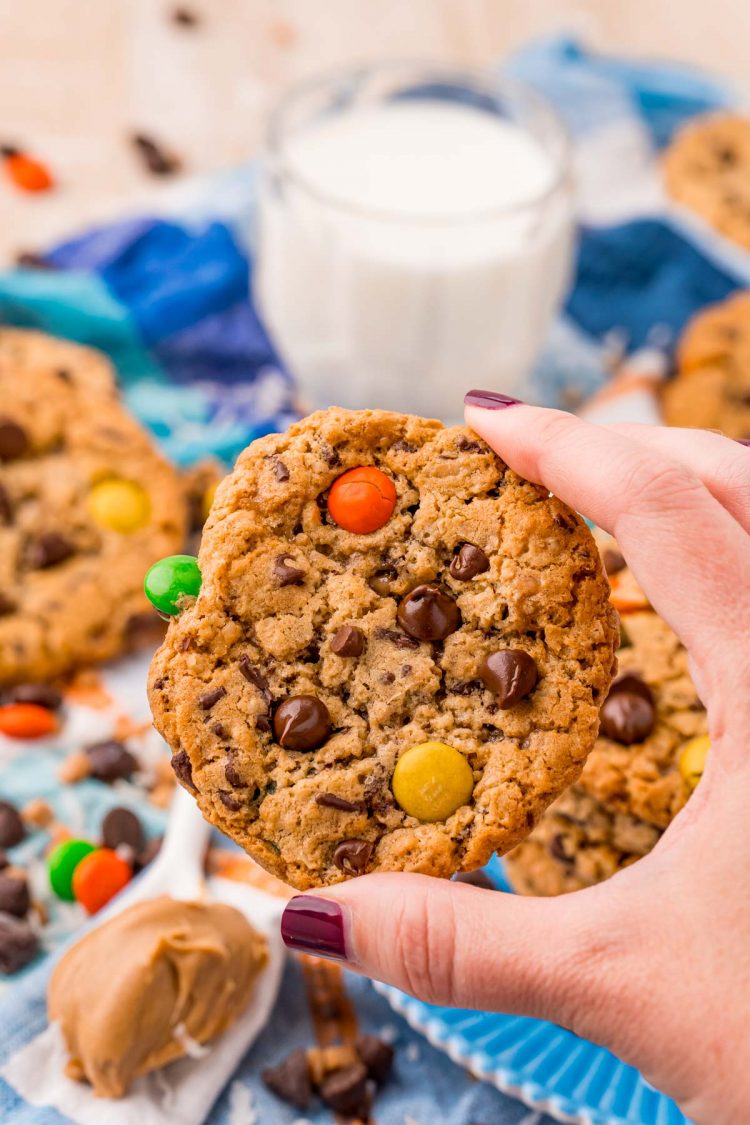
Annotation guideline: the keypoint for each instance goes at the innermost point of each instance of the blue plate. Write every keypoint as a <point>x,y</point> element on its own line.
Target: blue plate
<point>543,1065</point>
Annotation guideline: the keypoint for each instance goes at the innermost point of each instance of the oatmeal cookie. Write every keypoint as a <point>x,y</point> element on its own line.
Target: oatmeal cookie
<point>397,655</point>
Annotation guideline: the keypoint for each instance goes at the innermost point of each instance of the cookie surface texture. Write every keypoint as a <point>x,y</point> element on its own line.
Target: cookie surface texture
<point>314,657</point>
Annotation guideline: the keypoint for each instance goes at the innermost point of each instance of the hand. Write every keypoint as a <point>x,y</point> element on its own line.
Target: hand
<point>654,963</point>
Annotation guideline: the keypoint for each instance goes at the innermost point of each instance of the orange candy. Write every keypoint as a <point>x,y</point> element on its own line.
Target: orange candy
<point>26,720</point>
<point>27,173</point>
<point>362,500</point>
<point>98,878</point>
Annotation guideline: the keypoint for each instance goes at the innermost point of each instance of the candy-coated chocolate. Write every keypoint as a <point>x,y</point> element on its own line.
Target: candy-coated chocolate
<point>692,760</point>
<point>98,878</point>
<point>119,505</point>
<point>432,780</point>
<point>170,580</point>
<point>428,614</point>
<point>62,863</point>
<point>362,499</point>
<point>26,720</point>
<point>302,722</point>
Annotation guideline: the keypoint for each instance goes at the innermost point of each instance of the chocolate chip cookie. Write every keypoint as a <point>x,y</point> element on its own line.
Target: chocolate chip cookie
<point>707,170</point>
<point>397,656</point>
<point>86,503</point>
<point>711,387</point>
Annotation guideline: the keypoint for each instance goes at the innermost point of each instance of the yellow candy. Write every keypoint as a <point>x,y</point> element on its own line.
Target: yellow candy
<point>432,780</point>
<point>208,499</point>
<point>119,505</point>
<point>692,761</point>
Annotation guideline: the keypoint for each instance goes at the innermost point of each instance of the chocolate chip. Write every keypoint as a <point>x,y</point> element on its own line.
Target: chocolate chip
<point>7,605</point>
<point>280,470</point>
<point>377,1055</point>
<point>563,522</point>
<point>405,670</point>
<point>232,775</point>
<point>627,718</point>
<point>183,768</point>
<point>398,639</point>
<point>6,508</point>
<point>12,830</point>
<point>4,861</point>
<point>348,641</point>
<point>331,456</point>
<point>556,849</point>
<point>465,687</point>
<point>263,723</point>
<point>110,761</point>
<point>49,549</point>
<point>14,440</point>
<point>428,614</point>
<point>155,158</point>
<point>475,879</point>
<point>219,730</point>
<point>511,674</point>
<point>206,702</point>
<point>14,895</point>
<point>352,856</point>
<point>345,1091</point>
<point>469,562</point>
<point>331,801</point>
<point>468,446</point>
<point>148,854</point>
<point>302,722</point>
<point>185,17</point>
<point>634,685</point>
<point>18,944</point>
<point>290,1080</point>
<point>613,561</point>
<point>43,695</point>
<point>287,575</point>
<point>253,676</point>
<point>402,446</point>
<point>382,581</point>
<point>387,678</point>
<point>228,801</point>
<point>121,826</point>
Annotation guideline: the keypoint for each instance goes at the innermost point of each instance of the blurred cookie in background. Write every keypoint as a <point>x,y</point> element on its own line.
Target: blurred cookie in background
<point>87,504</point>
<point>199,482</point>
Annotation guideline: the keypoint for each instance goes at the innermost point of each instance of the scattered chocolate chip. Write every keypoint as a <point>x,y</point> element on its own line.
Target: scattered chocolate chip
<point>155,158</point>
<point>468,446</point>
<point>331,801</point>
<point>148,854</point>
<point>18,944</point>
<point>280,471</point>
<point>465,687</point>
<point>348,641</point>
<point>6,508</point>
<point>352,856</point>
<point>14,895</point>
<point>12,830</point>
<point>207,701</point>
<point>43,695</point>
<point>219,730</point>
<point>469,562</point>
<point>290,1080</point>
<point>110,761</point>
<point>405,670</point>
<point>627,718</point>
<point>231,773</point>
<point>511,674</point>
<point>14,440</point>
<point>632,683</point>
<point>253,676</point>
<point>428,614</point>
<point>49,549</point>
<point>287,575</point>
<point>382,581</point>
<point>228,801</point>
<point>475,879</point>
<point>183,768</point>
<point>398,639</point>
<point>185,17</point>
<point>263,723</point>
<point>377,1055</point>
<point>121,826</point>
<point>556,849</point>
<point>387,678</point>
<point>302,722</point>
<point>613,561</point>
<point>345,1091</point>
<point>29,260</point>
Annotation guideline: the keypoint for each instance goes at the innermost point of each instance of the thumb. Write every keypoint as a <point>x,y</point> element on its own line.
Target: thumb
<point>461,946</point>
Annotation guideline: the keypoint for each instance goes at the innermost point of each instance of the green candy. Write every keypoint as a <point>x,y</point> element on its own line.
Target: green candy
<point>170,580</point>
<point>61,864</point>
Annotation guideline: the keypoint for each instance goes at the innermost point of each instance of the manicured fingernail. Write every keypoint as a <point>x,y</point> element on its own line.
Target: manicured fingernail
<point>490,400</point>
<point>743,441</point>
<point>314,925</point>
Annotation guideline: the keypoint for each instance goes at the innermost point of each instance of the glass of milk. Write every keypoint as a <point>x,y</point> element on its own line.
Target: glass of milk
<point>415,235</point>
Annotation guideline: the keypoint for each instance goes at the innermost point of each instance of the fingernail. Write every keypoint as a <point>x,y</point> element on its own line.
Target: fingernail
<point>490,400</point>
<point>743,441</point>
<point>314,925</point>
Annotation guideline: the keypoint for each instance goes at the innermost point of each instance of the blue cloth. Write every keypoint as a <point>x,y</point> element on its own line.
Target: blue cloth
<point>170,299</point>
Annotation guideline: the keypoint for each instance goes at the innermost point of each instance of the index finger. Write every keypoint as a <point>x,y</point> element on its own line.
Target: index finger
<point>691,558</point>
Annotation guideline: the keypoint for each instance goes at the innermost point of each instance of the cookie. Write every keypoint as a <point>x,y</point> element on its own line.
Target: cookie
<point>397,655</point>
<point>707,170</point>
<point>199,482</point>
<point>86,504</point>
<point>711,388</point>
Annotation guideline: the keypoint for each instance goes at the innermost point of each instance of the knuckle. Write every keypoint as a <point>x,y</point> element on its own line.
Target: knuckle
<point>660,487</point>
<point>426,948</point>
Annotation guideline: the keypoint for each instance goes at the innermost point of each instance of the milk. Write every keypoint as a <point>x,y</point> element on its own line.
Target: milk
<point>409,250</point>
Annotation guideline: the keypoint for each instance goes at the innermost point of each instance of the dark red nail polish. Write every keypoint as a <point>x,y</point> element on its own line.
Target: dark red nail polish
<point>490,400</point>
<point>314,925</point>
<point>743,441</point>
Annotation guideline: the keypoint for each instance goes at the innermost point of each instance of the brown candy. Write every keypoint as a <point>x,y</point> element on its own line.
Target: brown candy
<point>14,440</point>
<point>183,768</point>
<point>428,614</point>
<point>345,1091</point>
<point>12,830</point>
<point>14,895</point>
<point>627,718</point>
<point>613,561</point>
<point>634,685</point>
<point>49,549</point>
<point>18,944</point>
<point>286,574</point>
<point>43,695</point>
<point>302,722</point>
<point>348,641</point>
<point>353,856</point>
<point>469,562</point>
<point>377,1055</point>
<point>110,761</point>
<point>290,1080</point>
<point>121,826</point>
<point>511,674</point>
<point>475,879</point>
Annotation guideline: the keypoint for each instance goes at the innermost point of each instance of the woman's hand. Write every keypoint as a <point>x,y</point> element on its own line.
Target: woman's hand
<point>654,963</point>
